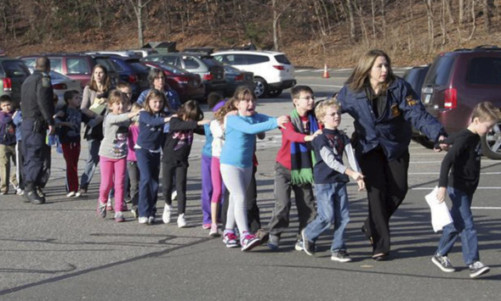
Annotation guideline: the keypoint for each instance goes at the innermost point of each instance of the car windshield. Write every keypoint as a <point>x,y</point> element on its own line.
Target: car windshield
<point>440,71</point>
<point>57,76</point>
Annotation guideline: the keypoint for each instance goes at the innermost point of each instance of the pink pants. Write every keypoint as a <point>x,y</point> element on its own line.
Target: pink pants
<point>112,171</point>
<point>217,181</point>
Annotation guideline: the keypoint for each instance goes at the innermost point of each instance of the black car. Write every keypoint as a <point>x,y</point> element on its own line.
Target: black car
<point>132,71</point>
<point>211,71</point>
<point>12,74</point>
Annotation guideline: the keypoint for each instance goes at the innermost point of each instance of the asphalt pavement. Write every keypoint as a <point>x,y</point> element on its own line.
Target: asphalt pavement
<point>63,251</point>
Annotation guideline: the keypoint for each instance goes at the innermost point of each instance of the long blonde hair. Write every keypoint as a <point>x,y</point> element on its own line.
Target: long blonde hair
<point>359,78</point>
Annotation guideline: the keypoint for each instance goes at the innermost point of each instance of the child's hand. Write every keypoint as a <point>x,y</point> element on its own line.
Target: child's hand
<point>281,120</point>
<point>202,122</point>
<point>58,115</point>
<point>355,175</point>
<point>361,184</point>
<point>441,194</point>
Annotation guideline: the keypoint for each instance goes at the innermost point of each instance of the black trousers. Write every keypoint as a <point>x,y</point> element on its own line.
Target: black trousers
<point>386,184</point>
<point>179,170</point>
<point>34,153</point>
<point>253,217</point>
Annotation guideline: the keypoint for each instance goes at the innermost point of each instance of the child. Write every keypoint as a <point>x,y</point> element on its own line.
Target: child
<point>175,156</point>
<point>463,162</point>
<point>215,102</point>
<point>113,153</point>
<point>148,148</point>
<point>132,169</point>
<point>330,177</point>
<point>217,130</point>
<point>236,161</point>
<point>7,145</point>
<point>294,168</point>
<point>68,121</point>
<point>17,119</point>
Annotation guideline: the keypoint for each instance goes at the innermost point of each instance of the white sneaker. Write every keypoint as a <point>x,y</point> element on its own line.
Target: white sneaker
<point>181,222</point>
<point>142,219</point>
<point>173,195</point>
<point>77,194</point>
<point>151,220</point>
<point>166,214</point>
<point>19,191</point>
<point>70,194</point>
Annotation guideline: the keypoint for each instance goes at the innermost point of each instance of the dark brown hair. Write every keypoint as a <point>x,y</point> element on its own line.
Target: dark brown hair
<point>190,110</point>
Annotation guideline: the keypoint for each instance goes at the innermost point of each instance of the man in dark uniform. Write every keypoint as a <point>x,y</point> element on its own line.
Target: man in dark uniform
<point>37,107</point>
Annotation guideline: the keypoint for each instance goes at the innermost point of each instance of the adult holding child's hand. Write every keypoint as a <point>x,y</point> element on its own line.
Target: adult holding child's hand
<point>384,108</point>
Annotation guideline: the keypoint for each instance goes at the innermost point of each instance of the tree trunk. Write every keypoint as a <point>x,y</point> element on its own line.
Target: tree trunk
<point>431,33</point>
<point>275,24</point>
<point>383,18</point>
<point>488,6</point>
<point>349,11</point>
<point>461,11</point>
<point>373,12</point>
<point>473,20</point>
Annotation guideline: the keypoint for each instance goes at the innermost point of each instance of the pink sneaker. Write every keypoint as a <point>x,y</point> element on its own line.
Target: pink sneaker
<point>206,226</point>
<point>249,242</point>
<point>214,231</point>
<point>230,239</point>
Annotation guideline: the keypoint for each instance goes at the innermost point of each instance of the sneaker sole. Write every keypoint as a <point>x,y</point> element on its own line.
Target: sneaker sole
<point>343,260</point>
<point>482,271</point>
<point>251,245</point>
<point>230,246</point>
<point>298,248</point>
<point>303,237</point>
<point>446,270</point>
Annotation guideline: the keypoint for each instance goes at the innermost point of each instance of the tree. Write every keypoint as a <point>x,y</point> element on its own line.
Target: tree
<point>138,10</point>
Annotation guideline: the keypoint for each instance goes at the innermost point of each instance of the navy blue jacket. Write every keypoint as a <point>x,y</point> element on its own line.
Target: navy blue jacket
<point>393,129</point>
<point>151,134</point>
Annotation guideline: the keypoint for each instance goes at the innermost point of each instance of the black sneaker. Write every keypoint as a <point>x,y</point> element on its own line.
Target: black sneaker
<point>443,263</point>
<point>341,256</point>
<point>308,246</point>
<point>477,268</point>
<point>34,198</point>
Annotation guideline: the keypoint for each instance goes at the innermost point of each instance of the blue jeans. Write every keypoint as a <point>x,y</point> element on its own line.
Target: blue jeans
<point>91,163</point>
<point>462,224</point>
<point>332,208</point>
<point>149,169</point>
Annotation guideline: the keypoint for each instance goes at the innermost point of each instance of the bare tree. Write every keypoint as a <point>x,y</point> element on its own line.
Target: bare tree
<point>431,32</point>
<point>373,14</point>
<point>488,7</point>
<point>351,19</point>
<point>138,10</point>
<point>461,11</point>
<point>473,20</point>
<point>277,13</point>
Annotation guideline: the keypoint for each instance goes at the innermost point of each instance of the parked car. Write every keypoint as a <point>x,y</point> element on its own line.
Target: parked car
<point>12,74</point>
<point>61,84</point>
<point>211,71</point>
<point>415,77</point>
<point>459,80</point>
<point>74,65</point>
<point>235,77</point>
<point>143,52</point>
<point>122,53</point>
<point>188,85</point>
<point>273,72</point>
<point>132,71</point>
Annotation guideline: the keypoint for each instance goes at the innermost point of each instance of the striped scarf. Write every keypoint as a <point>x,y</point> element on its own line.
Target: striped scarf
<point>302,158</point>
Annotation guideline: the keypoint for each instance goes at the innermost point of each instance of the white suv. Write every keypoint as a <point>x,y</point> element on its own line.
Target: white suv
<point>272,70</point>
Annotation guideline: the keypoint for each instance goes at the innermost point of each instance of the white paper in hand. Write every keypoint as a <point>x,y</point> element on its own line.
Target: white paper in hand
<point>440,215</point>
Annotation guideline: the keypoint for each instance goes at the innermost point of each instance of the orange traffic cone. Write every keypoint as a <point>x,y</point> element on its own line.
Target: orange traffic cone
<point>326,72</point>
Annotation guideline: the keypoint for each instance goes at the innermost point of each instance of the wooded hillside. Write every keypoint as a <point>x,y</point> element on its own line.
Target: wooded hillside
<point>310,32</point>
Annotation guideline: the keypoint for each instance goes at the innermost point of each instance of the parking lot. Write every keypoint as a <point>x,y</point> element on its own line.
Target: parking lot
<point>63,251</point>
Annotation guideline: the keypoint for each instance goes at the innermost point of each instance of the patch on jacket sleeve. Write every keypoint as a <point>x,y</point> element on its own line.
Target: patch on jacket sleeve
<point>395,111</point>
<point>411,101</point>
<point>45,82</point>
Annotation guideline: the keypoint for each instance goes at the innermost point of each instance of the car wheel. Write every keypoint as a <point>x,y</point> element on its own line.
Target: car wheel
<point>261,87</point>
<point>491,143</point>
<point>274,93</point>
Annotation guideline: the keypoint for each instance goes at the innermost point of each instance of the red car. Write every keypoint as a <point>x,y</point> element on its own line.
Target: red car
<point>187,85</point>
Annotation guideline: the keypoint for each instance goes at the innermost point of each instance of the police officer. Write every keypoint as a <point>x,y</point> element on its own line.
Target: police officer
<point>384,108</point>
<point>37,107</point>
